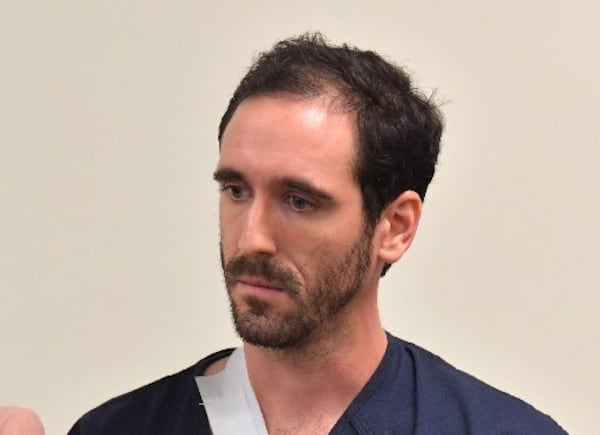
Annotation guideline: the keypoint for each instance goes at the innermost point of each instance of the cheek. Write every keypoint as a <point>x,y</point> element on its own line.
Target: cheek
<point>226,236</point>
<point>311,252</point>
<point>331,249</point>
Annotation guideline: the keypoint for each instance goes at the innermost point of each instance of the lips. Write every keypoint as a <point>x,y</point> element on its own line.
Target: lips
<point>260,274</point>
<point>259,283</point>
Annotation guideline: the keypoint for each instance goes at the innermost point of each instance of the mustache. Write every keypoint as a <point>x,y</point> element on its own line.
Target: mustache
<point>261,267</point>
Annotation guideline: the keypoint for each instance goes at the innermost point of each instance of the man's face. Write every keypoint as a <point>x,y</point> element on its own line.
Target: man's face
<point>294,246</point>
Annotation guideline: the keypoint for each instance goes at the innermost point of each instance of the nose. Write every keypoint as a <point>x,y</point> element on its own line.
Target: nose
<point>257,236</point>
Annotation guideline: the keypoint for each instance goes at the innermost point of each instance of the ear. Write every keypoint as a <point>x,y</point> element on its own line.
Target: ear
<point>398,225</point>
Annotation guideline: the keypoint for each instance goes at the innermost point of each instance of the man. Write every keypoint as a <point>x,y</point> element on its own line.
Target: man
<point>326,153</point>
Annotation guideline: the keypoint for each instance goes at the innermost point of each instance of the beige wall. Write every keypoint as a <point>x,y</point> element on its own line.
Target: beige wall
<point>108,242</point>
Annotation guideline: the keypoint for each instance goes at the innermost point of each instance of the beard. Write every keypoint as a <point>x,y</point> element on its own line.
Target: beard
<point>336,280</point>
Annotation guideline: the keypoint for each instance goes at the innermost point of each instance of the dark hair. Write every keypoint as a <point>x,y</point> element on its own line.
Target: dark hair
<point>399,129</point>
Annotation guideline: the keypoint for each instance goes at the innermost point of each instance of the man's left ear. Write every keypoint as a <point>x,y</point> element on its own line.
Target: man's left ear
<point>398,225</point>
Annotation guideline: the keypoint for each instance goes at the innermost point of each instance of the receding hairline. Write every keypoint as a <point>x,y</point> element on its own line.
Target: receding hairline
<point>332,101</point>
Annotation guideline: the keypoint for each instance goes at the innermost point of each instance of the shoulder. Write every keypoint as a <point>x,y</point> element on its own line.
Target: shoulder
<point>170,402</point>
<point>451,395</point>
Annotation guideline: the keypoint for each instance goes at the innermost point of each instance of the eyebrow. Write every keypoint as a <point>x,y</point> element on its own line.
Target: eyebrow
<point>229,174</point>
<point>305,187</point>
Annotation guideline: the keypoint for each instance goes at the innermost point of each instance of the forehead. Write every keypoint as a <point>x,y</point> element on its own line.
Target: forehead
<point>291,136</point>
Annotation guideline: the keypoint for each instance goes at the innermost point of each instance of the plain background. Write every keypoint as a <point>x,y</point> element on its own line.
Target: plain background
<point>109,274</point>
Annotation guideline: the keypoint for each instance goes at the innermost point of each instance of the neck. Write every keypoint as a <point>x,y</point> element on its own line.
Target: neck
<point>317,381</point>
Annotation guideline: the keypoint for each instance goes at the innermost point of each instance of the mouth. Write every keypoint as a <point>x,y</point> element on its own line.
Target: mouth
<point>258,286</point>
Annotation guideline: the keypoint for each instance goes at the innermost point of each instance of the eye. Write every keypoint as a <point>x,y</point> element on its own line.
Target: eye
<point>235,191</point>
<point>300,204</point>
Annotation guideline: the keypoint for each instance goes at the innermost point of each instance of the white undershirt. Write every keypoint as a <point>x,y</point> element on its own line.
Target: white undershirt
<point>229,399</point>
